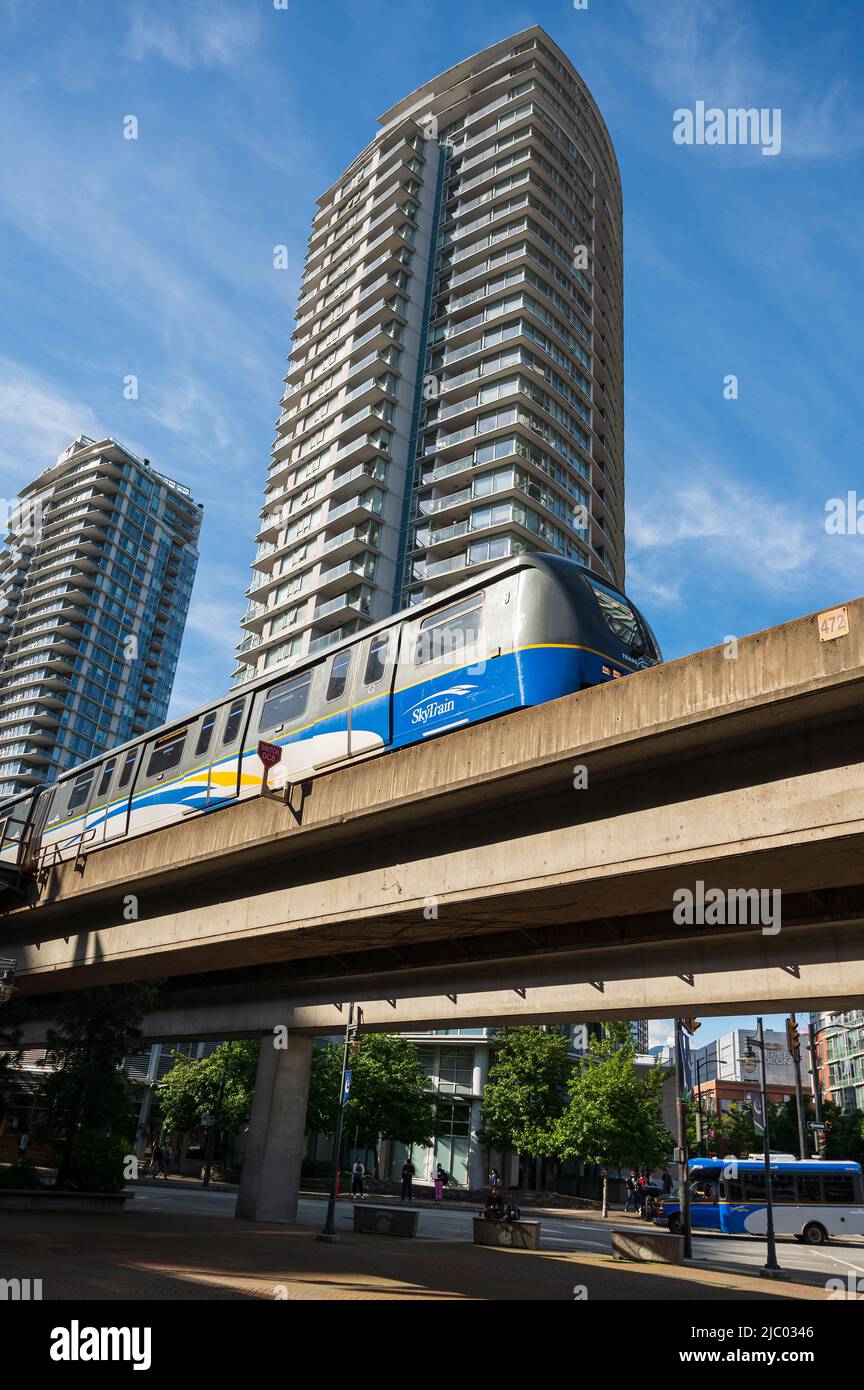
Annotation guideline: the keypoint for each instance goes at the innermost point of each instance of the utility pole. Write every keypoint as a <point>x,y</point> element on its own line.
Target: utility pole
<point>794,1042</point>
<point>682,1089</point>
<point>770,1268</point>
<point>817,1087</point>
<point>328,1231</point>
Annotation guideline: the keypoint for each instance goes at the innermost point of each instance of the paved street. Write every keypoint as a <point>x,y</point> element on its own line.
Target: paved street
<point>562,1232</point>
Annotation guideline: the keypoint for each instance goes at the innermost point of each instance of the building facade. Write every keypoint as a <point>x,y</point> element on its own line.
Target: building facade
<point>723,1075</point>
<point>454,392</point>
<point>96,575</point>
<point>839,1044</point>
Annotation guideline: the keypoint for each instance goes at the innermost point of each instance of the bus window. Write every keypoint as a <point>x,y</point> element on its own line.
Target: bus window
<point>127,767</point>
<point>205,733</point>
<point>839,1189</point>
<point>447,633</point>
<point>754,1187</point>
<point>232,723</point>
<point>167,752</point>
<point>809,1187</point>
<point>81,789</point>
<point>338,675</point>
<point>376,662</point>
<point>106,776</point>
<point>783,1188</point>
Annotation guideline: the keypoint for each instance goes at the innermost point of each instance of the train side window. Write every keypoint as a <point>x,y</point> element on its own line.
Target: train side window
<point>107,774</point>
<point>339,669</point>
<point>167,752</point>
<point>447,633</point>
<point>205,733</point>
<point>81,789</point>
<point>232,723</point>
<point>127,768</point>
<point>376,662</point>
<point>286,702</point>
<point>809,1189</point>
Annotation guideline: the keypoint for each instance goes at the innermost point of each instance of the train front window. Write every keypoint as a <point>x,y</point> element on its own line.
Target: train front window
<point>619,617</point>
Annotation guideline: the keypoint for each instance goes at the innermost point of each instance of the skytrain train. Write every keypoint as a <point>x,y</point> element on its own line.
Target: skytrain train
<point>523,632</point>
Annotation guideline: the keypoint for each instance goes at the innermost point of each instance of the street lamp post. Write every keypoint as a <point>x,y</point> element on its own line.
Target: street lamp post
<point>682,1086</point>
<point>771,1268</point>
<point>328,1231</point>
<point>7,979</point>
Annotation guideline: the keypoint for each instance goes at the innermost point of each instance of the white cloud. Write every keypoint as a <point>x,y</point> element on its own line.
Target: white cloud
<point>37,421</point>
<point>200,36</point>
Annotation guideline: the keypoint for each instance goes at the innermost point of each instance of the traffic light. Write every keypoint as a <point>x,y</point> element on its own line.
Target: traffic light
<point>690,1025</point>
<point>792,1038</point>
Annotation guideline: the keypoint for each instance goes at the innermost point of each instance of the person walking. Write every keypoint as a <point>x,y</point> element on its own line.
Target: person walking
<point>666,1180</point>
<point>632,1183</point>
<point>440,1183</point>
<point>23,1146</point>
<point>157,1159</point>
<point>164,1162</point>
<point>358,1173</point>
<point>495,1181</point>
<point>408,1171</point>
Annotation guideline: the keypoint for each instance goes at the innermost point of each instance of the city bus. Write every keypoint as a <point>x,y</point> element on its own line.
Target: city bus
<point>813,1200</point>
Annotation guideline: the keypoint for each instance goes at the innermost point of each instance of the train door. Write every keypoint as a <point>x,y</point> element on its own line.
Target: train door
<point>99,806</point>
<point>228,730</point>
<point>157,785</point>
<point>370,724</point>
<point>284,715</point>
<point>117,814</point>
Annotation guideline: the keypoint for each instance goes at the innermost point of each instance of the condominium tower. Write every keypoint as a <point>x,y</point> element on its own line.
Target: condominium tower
<point>95,578</point>
<point>454,393</point>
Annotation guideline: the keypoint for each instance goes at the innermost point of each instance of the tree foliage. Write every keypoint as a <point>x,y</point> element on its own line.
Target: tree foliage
<point>526,1091</point>
<point>390,1095</point>
<point>87,1088</point>
<point>221,1085</point>
<point>324,1078</point>
<point>614,1117</point>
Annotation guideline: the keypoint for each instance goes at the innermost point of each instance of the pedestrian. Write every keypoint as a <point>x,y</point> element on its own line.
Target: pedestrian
<point>23,1146</point>
<point>441,1179</point>
<point>666,1180</point>
<point>408,1171</point>
<point>495,1182</point>
<point>164,1162</point>
<point>158,1156</point>
<point>640,1193</point>
<point>632,1183</point>
<point>358,1173</point>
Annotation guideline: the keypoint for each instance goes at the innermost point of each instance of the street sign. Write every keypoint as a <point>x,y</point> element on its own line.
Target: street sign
<point>813,1124</point>
<point>269,753</point>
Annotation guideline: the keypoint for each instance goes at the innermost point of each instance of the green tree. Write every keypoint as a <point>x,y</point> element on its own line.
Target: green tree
<point>614,1117</point>
<point>845,1138</point>
<point>525,1093</point>
<point>87,1088</point>
<point>324,1079</point>
<point>390,1095</point>
<point>221,1085</point>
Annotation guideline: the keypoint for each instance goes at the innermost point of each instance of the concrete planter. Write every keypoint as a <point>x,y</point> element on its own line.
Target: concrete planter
<point>516,1235</point>
<point>50,1199</point>
<point>385,1221</point>
<point>640,1244</point>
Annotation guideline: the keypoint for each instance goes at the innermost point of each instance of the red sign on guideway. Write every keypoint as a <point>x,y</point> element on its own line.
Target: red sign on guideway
<point>269,753</point>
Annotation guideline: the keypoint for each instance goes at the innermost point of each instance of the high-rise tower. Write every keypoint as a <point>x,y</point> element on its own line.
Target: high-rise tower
<point>454,392</point>
<point>96,575</point>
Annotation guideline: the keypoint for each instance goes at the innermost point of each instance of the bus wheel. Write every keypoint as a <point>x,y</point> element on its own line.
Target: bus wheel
<point>675,1224</point>
<point>814,1234</point>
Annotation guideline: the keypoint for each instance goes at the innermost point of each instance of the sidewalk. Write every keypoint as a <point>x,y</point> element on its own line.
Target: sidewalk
<point>141,1256</point>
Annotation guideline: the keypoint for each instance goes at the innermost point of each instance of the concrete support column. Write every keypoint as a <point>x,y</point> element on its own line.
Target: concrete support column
<point>274,1149</point>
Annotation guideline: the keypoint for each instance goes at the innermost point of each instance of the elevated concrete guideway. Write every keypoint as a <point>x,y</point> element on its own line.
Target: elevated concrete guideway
<point>469,879</point>
<point>471,861</point>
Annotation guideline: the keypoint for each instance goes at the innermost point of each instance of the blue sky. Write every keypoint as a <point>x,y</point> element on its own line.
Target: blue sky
<point>154,257</point>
